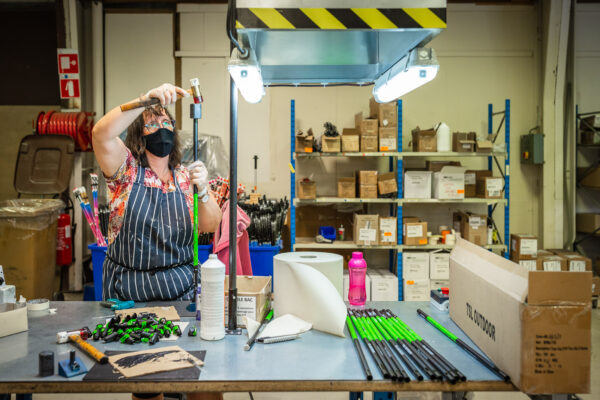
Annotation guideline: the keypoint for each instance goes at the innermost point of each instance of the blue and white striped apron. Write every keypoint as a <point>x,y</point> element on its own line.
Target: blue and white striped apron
<point>151,257</point>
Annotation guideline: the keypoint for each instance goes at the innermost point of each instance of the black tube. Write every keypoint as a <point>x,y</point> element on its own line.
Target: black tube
<point>456,371</point>
<point>363,360</point>
<point>232,320</point>
<point>491,366</point>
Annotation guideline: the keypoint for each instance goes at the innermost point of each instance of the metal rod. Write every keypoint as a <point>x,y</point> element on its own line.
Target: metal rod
<point>233,104</point>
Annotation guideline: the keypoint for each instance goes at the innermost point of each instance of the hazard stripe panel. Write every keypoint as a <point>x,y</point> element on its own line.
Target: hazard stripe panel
<point>341,18</point>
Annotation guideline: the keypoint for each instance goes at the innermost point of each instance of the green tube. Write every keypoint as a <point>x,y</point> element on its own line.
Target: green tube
<point>195,233</point>
<point>361,332</point>
<point>445,331</point>
<point>351,328</point>
<point>381,329</point>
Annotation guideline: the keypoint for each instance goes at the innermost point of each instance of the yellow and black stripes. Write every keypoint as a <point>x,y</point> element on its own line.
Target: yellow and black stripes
<point>340,18</point>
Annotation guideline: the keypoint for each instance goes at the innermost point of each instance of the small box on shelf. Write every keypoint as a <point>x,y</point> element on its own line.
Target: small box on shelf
<point>331,144</point>
<point>368,143</point>
<point>387,183</point>
<point>490,187</point>
<point>528,264</point>
<point>417,184</point>
<point>415,265</point>
<point>577,263</point>
<point>350,140</point>
<point>384,285</point>
<point>304,144</point>
<point>424,140</point>
<point>366,229</point>
<point>472,227</point>
<point>464,142</point>
<point>347,188</point>
<point>484,146</point>
<point>523,246</point>
<point>449,183</point>
<point>388,227</point>
<point>307,190</point>
<point>551,262</point>
<point>366,177</point>
<point>367,127</point>
<point>414,231</point>
<point>388,139</point>
<point>385,113</point>
<point>367,191</point>
<point>439,265</point>
<point>587,222</point>
<point>590,138</point>
<point>589,177</point>
<point>416,290</point>
<point>470,184</point>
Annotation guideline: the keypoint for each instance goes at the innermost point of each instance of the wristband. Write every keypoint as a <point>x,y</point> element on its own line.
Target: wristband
<point>204,195</point>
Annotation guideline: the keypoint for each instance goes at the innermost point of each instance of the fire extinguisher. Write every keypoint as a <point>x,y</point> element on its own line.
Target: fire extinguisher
<point>64,254</point>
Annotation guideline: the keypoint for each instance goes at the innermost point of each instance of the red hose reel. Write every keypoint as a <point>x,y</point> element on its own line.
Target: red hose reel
<point>78,125</point>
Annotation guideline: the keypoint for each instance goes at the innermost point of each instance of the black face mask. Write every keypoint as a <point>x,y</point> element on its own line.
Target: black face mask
<point>160,143</point>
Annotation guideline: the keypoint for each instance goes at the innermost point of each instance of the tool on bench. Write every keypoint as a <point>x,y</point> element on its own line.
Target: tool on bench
<point>265,321</point>
<point>192,331</point>
<point>88,349</point>
<point>116,304</point>
<point>46,363</point>
<point>277,339</point>
<point>63,336</point>
<point>72,367</point>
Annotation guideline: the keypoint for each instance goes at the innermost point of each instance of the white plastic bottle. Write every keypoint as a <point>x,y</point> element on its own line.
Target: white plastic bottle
<point>212,306</point>
<point>444,141</point>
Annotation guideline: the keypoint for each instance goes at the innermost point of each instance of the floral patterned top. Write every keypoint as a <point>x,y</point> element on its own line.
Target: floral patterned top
<point>120,185</point>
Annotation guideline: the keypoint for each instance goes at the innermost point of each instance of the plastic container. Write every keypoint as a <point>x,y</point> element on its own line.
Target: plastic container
<point>444,140</point>
<point>99,254</point>
<point>328,232</point>
<point>357,269</point>
<point>212,307</point>
<point>262,259</point>
<point>28,245</point>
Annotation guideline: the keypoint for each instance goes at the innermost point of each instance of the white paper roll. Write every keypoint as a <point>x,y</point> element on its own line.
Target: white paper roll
<point>38,304</point>
<point>330,265</point>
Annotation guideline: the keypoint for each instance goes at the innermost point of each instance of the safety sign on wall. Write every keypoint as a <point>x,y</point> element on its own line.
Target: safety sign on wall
<point>68,73</point>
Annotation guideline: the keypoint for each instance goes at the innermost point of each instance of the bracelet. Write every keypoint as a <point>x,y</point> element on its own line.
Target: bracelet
<point>204,195</point>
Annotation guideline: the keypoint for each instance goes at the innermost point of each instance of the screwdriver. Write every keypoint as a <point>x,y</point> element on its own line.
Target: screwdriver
<point>265,321</point>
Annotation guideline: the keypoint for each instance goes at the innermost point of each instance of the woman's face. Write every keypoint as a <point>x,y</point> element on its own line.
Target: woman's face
<point>153,122</point>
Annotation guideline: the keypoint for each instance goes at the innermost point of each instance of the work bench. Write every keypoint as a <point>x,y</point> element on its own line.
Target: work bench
<point>315,362</point>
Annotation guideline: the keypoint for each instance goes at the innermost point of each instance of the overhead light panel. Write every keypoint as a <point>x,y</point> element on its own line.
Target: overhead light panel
<point>246,74</point>
<point>415,69</point>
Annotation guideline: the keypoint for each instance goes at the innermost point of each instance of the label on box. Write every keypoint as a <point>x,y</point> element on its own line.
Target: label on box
<point>528,247</point>
<point>476,222</point>
<point>470,178</point>
<point>246,306</point>
<point>577,266</point>
<point>387,144</point>
<point>439,264</point>
<point>466,145</point>
<point>494,187</point>
<point>387,226</point>
<point>414,230</point>
<point>553,266</point>
<point>530,265</point>
<point>367,235</point>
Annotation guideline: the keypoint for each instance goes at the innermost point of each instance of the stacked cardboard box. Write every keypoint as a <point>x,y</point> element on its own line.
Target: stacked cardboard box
<point>385,113</point>
<point>351,140</point>
<point>369,131</point>
<point>490,187</point>
<point>449,183</point>
<point>472,227</point>
<point>415,272</point>
<point>439,269</point>
<point>366,229</point>
<point>367,184</point>
<point>384,285</point>
<point>388,139</point>
<point>414,231</point>
<point>386,183</point>
<point>388,228</point>
<point>524,250</point>
<point>470,183</point>
<point>346,188</point>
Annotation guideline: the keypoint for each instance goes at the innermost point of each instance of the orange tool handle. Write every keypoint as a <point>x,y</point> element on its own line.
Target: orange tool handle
<point>145,103</point>
<point>89,349</point>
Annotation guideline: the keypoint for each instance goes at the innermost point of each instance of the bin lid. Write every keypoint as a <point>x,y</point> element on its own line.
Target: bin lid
<point>44,164</point>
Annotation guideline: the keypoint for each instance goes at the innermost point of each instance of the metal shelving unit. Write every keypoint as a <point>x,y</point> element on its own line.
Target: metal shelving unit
<point>396,205</point>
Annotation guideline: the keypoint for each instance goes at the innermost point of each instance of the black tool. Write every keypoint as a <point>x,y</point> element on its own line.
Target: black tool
<point>46,363</point>
<point>265,321</point>
<point>192,331</point>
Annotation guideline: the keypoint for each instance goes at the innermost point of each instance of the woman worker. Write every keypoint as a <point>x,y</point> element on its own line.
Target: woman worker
<point>150,238</point>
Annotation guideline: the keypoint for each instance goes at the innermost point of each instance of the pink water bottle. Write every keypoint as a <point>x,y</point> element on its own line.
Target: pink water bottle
<point>357,267</point>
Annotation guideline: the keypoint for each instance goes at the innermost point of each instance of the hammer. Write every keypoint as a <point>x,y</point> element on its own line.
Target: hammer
<point>153,100</point>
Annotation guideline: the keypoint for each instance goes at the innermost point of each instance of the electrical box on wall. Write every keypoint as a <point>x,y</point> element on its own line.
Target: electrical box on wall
<point>532,148</point>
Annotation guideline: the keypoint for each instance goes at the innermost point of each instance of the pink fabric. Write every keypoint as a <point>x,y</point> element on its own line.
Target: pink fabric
<point>244,265</point>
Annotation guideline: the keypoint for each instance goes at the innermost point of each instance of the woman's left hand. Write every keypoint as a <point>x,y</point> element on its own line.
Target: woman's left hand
<point>198,175</point>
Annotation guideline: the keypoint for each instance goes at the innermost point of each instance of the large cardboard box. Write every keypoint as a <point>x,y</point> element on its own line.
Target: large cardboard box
<point>366,229</point>
<point>385,113</point>
<point>523,246</point>
<point>367,191</point>
<point>304,144</point>
<point>331,144</point>
<point>366,177</point>
<point>424,141</point>
<point>591,178</point>
<point>416,290</point>
<point>449,183</point>
<point>350,140</point>
<point>367,127</point>
<point>577,263</point>
<point>439,265</point>
<point>384,285</point>
<point>368,143</point>
<point>551,263</point>
<point>414,231</point>
<point>254,297</point>
<point>415,265</point>
<point>347,188</point>
<point>587,222</point>
<point>463,142</point>
<point>388,139</point>
<point>386,183</point>
<point>417,184</point>
<point>535,326</point>
<point>490,187</point>
<point>472,227</point>
<point>346,285</point>
<point>307,190</point>
<point>388,228</point>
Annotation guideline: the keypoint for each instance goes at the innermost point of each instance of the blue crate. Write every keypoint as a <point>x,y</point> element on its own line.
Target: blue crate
<point>328,232</point>
<point>262,259</point>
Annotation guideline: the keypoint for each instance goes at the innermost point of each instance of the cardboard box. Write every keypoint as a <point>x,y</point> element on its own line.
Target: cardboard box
<point>385,113</point>
<point>417,184</point>
<point>449,183</point>
<point>561,252</point>
<point>414,232</point>
<point>366,229</point>
<point>367,191</point>
<point>254,297</point>
<point>367,127</point>
<point>590,138</point>
<point>596,286</point>
<point>591,178</point>
<point>490,187</point>
<point>593,121</point>
<point>307,190</point>
<point>331,144</point>
<point>384,285</point>
<point>416,290</point>
<point>346,188</point>
<point>346,285</point>
<point>424,141</point>
<point>304,144</point>
<point>388,228</point>
<point>388,139</point>
<point>350,140</point>
<point>436,166</point>
<point>484,146</point>
<point>529,265</point>
<point>577,263</point>
<point>587,222</point>
<point>439,265</point>
<point>463,142</point>
<point>523,246</point>
<point>13,318</point>
<point>386,183</point>
<point>368,143</point>
<point>366,177</point>
<point>535,326</point>
<point>472,227</point>
<point>437,284</point>
<point>552,263</point>
<point>470,184</point>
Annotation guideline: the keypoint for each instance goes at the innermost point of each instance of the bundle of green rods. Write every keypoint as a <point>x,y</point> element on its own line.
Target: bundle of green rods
<point>399,352</point>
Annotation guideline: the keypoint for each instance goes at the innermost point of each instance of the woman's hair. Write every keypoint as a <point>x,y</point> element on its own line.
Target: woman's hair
<point>135,142</point>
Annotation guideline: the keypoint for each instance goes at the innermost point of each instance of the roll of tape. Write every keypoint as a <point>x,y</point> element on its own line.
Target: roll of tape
<point>38,305</point>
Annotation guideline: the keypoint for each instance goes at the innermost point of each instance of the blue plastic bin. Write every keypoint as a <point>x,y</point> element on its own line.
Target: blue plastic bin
<point>262,259</point>
<point>328,232</point>
<point>99,253</point>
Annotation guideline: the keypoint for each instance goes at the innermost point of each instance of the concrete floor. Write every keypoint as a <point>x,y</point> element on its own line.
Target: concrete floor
<point>595,386</point>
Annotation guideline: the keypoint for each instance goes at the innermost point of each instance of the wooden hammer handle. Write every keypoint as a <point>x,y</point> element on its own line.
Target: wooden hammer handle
<point>145,103</point>
<point>89,349</point>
